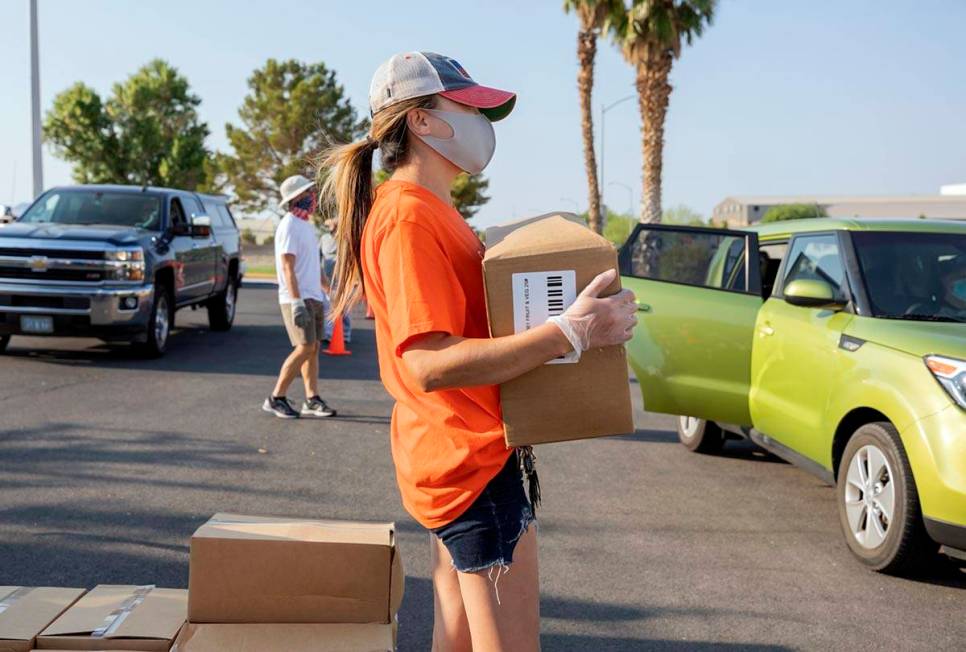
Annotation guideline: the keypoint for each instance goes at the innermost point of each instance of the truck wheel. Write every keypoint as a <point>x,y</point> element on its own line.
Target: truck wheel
<point>160,324</point>
<point>879,504</point>
<point>700,436</point>
<point>4,341</point>
<point>221,309</point>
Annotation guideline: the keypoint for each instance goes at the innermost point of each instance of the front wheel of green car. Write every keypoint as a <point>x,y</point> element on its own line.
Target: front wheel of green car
<point>878,502</point>
<point>700,436</point>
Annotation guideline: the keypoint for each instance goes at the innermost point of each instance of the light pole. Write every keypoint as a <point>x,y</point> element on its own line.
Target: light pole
<point>35,102</point>
<point>603,113</point>
<point>630,196</point>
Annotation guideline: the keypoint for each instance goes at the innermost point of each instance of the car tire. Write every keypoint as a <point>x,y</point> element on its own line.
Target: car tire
<point>4,341</point>
<point>160,324</point>
<point>700,436</point>
<point>878,502</point>
<point>221,309</point>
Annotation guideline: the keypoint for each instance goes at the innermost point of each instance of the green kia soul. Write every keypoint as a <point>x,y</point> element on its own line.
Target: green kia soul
<point>836,344</point>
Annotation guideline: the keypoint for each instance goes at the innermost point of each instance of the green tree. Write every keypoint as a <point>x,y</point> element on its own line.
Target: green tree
<point>682,214</point>
<point>594,16</point>
<point>292,111</point>
<point>147,132</point>
<point>467,191</point>
<point>793,212</point>
<point>650,35</point>
<point>618,227</point>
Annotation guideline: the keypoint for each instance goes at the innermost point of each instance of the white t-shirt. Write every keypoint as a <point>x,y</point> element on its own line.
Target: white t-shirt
<point>298,237</point>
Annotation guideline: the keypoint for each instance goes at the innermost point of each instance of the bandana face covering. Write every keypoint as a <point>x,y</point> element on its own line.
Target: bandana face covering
<point>304,206</point>
<point>473,142</point>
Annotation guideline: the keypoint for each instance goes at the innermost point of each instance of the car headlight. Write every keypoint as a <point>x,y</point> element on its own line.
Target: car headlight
<point>951,374</point>
<point>126,264</point>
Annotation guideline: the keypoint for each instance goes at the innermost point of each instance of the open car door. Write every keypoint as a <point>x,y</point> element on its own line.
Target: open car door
<point>698,293</point>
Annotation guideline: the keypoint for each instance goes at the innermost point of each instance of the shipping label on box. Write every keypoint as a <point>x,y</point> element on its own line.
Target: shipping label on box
<point>26,610</point>
<point>532,272</point>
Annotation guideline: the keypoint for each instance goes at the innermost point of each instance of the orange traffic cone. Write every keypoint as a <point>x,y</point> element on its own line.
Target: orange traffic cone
<point>337,343</point>
<point>369,314</point>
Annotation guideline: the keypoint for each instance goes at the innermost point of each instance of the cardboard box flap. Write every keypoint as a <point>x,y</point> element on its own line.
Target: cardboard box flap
<point>237,526</point>
<point>549,235</point>
<point>26,610</point>
<point>158,614</point>
<point>294,637</point>
<point>397,585</point>
<point>495,234</point>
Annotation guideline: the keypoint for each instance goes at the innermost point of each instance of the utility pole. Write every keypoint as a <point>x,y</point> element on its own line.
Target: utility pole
<point>603,116</point>
<point>35,102</point>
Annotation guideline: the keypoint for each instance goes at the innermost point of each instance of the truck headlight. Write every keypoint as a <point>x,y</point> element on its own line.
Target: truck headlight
<point>127,264</point>
<point>951,374</point>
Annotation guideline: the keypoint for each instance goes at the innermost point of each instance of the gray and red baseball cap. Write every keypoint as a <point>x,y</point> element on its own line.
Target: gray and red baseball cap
<point>417,74</point>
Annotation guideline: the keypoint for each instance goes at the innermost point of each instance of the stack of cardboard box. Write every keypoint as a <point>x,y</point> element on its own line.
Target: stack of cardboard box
<point>260,583</point>
<point>134,618</point>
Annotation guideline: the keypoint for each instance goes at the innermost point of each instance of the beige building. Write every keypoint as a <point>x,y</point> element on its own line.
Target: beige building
<point>742,210</point>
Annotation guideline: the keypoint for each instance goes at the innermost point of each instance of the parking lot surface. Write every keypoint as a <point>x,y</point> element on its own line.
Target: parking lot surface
<point>108,463</point>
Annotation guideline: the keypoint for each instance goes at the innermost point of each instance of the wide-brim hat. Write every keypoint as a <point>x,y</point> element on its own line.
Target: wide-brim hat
<point>417,74</point>
<point>291,188</point>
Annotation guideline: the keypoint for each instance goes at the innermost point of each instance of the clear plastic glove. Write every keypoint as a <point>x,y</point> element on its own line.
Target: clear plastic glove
<point>591,322</point>
<point>300,313</point>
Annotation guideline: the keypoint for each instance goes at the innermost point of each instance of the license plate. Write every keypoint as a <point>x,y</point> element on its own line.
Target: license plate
<point>31,324</point>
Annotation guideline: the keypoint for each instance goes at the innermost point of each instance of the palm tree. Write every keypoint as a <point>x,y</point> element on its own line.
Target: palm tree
<point>593,16</point>
<point>649,35</point>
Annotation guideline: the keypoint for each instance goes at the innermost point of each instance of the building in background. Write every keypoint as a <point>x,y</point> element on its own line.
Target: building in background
<point>261,228</point>
<point>742,210</point>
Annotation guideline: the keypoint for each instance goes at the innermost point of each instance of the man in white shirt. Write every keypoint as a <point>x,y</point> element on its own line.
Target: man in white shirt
<point>300,299</point>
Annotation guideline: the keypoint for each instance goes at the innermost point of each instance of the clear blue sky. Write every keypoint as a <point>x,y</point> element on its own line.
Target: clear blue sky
<point>855,96</point>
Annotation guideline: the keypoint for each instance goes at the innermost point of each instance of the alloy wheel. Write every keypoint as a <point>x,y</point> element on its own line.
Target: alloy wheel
<point>689,426</point>
<point>230,296</point>
<point>162,322</point>
<point>870,496</point>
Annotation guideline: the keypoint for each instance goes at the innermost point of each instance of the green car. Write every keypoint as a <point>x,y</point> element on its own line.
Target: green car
<point>836,344</point>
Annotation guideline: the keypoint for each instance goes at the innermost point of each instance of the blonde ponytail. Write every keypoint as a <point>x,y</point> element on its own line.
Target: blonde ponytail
<point>344,177</point>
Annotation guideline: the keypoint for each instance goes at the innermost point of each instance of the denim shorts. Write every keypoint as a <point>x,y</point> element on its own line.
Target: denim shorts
<point>485,534</point>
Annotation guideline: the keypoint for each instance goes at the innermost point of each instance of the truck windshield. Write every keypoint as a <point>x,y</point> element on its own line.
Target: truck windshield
<point>96,207</point>
<point>917,276</point>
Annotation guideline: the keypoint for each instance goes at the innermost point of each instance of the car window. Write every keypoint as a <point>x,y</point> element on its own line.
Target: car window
<point>193,207</point>
<point>692,257</point>
<point>177,213</point>
<point>211,210</point>
<point>817,257</point>
<point>226,215</point>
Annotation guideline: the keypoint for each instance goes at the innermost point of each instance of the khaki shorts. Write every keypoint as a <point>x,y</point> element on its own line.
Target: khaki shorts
<point>312,332</point>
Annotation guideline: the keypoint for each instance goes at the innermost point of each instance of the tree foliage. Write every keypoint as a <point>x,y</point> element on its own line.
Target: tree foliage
<point>467,191</point>
<point>292,111</point>
<point>147,132</point>
<point>793,212</point>
<point>684,215</point>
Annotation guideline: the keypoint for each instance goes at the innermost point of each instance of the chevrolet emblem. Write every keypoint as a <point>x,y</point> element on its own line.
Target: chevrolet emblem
<point>37,263</point>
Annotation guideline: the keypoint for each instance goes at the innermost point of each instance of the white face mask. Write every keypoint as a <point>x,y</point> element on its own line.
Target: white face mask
<point>473,142</point>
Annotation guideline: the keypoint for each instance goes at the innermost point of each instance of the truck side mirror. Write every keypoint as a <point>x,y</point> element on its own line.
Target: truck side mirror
<point>812,293</point>
<point>200,226</point>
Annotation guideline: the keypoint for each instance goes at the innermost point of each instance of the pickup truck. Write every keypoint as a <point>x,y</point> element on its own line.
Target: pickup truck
<point>115,262</point>
<point>836,344</point>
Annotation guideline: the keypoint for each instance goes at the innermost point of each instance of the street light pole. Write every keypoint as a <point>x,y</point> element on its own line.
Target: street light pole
<point>35,102</point>
<point>603,115</point>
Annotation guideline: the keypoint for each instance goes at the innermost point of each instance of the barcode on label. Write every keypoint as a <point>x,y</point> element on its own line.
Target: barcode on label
<point>537,296</point>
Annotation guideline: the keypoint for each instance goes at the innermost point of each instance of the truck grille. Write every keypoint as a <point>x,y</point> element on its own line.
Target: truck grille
<point>27,252</point>
<point>51,274</point>
<point>42,301</point>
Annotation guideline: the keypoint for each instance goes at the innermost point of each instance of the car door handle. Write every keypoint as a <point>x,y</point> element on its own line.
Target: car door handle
<point>767,330</point>
<point>643,307</point>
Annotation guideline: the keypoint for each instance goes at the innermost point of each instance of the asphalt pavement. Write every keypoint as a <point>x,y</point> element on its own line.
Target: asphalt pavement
<point>108,463</point>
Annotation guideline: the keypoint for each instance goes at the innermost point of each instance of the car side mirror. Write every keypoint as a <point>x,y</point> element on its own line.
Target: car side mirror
<point>200,226</point>
<point>811,293</point>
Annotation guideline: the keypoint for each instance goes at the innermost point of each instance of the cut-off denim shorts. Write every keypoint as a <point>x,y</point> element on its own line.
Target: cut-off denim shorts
<point>484,536</point>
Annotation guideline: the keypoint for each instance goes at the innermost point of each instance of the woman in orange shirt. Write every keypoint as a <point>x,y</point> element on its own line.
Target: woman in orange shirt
<point>421,266</point>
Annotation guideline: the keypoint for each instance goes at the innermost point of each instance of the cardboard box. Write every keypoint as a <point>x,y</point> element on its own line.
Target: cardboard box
<point>119,617</point>
<point>251,569</point>
<point>26,610</point>
<point>532,270</point>
<point>288,638</point>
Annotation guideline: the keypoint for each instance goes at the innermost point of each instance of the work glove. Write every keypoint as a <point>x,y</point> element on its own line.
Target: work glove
<point>591,322</point>
<point>300,313</point>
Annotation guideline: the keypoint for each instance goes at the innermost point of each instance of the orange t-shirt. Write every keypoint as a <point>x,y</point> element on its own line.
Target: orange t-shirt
<point>423,271</point>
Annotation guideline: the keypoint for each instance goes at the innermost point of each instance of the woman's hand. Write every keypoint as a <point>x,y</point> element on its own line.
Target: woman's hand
<point>591,322</point>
